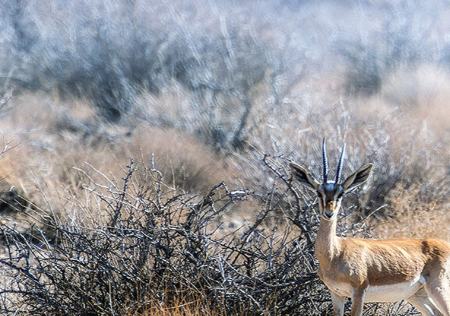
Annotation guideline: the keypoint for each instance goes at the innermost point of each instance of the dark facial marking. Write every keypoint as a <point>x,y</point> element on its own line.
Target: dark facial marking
<point>330,195</point>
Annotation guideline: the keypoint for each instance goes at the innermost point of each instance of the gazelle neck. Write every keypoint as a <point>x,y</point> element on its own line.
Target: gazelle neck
<point>328,245</point>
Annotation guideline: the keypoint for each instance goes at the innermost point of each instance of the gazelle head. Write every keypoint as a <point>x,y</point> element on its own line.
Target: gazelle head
<point>330,192</point>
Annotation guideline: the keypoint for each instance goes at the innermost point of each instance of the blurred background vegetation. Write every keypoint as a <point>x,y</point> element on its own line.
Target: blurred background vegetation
<point>227,91</point>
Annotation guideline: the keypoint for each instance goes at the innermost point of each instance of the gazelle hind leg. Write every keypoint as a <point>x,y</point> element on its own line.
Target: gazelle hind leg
<point>438,290</point>
<point>423,304</point>
<point>440,299</point>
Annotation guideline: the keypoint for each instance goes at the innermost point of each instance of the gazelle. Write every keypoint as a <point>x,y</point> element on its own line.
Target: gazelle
<point>369,270</point>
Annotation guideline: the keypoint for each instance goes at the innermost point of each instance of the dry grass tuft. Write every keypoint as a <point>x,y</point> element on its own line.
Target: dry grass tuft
<point>414,217</point>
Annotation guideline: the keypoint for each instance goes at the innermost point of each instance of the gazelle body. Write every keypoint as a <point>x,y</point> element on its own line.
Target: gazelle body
<point>369,270</point>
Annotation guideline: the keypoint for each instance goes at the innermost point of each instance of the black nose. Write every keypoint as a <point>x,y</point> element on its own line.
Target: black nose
<point>329,214</point>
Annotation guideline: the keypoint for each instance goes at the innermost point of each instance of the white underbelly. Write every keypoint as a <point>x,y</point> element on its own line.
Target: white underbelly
<point>381,293</point>
<point>393,292</point>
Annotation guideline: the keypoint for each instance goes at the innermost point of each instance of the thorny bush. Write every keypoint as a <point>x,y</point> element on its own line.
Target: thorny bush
<point>152,247</point>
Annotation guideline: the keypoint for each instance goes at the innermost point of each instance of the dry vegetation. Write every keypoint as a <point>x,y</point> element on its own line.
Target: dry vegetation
<point>209,100</point>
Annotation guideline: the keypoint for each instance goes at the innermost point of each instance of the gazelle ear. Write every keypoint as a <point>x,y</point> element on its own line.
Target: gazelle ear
<point>304,176</point>
<point>357,178</point>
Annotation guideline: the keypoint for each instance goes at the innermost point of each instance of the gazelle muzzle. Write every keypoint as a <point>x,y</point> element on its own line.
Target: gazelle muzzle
<point>329,208</point>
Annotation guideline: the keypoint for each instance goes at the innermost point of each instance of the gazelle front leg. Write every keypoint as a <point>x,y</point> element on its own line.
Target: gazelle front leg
<point>338,304</point>
<point>358,301</point>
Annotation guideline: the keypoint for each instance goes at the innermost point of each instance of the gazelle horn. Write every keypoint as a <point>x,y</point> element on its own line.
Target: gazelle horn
<point>325,161</point>
<point>339,167</point>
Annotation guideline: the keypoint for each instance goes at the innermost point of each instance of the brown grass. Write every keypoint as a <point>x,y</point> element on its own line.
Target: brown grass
<point>46,146</point>
<point>415,218</point>
<point>179,307</point>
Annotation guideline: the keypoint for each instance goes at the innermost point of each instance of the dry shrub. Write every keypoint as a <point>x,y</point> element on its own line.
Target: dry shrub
<point>158,252</point>
<point>156,248</point>
<point>50,145</point>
